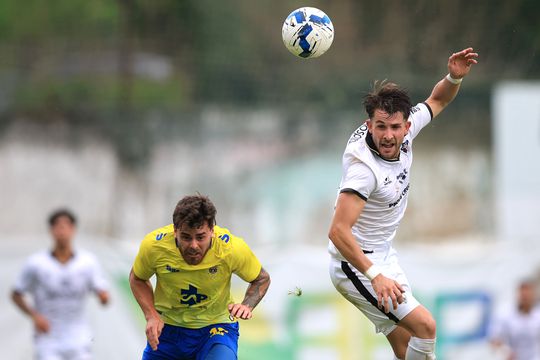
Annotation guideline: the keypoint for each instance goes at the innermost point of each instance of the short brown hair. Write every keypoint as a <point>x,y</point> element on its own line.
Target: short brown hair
<point>194,211</point>
<point>388,97</point>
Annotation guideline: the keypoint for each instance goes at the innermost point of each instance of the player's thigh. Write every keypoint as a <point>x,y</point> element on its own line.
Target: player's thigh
<point>175,343</point>
<point>419,323</point>
<point>223,335</point>
<point>82,353</point>
<point>220,352</point>
<point>358,290</point>
<point>46,349</point>
<point>48,357</point>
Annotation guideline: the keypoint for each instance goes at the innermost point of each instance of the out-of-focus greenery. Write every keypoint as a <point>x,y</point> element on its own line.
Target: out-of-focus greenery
<point>103,62</point>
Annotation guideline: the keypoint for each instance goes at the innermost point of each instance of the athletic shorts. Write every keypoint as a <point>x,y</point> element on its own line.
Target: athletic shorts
<point>48,347</point>
<point>179,343</point>
<point>357,289</point>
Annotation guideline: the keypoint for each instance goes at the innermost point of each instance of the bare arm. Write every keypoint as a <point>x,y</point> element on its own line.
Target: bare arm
<point>41,323</point>
<point>254,294</point>
<point>144,294</point>
<point>348,209</point>
<point>459,65</point>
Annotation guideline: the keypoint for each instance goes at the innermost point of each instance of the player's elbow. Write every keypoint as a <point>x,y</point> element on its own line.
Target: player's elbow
<point>336,231</point>
<point>263,278</point>
<point>332,232</point>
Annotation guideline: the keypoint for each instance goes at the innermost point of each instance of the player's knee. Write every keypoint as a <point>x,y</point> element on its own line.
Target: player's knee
<point>428,328</point>
<point>425,327</point>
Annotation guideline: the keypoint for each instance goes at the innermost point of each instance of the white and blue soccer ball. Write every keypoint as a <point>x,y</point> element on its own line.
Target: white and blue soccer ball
<point>308,32</point>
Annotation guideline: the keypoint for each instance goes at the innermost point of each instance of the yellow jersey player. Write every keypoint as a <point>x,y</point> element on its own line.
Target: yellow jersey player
<point>191,314</point>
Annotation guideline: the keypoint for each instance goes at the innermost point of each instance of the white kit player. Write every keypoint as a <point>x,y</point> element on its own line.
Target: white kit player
<point>58,282</point>
<point>371,202</point>
<point>516,332</point>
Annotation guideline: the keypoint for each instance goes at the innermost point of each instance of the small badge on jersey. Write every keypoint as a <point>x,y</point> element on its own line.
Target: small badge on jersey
<point>405,146</point>
<point>402,176</point>
<point>213,270</point>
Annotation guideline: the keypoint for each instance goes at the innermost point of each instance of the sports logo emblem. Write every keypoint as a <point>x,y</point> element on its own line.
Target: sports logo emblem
<point>217,331</point>
<point>191,296</point>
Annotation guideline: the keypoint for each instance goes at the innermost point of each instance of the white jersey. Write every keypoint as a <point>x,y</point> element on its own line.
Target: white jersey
<point>59,292</point>
<point>384,184</point>
<point>520,332</point>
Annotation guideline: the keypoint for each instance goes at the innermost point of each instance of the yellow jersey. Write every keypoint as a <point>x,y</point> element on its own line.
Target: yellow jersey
<point>194,296</point>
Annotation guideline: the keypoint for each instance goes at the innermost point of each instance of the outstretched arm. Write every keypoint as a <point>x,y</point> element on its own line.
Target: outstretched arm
<point>254,294</point>
<point>459,65</point>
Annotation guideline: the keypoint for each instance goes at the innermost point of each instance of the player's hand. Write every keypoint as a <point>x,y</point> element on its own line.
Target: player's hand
<point>387,290</point>
<point>459,64</point>
<point>41,323</point>
<point>103,297</point>
<point>240,311</point>
<point>154,325</point>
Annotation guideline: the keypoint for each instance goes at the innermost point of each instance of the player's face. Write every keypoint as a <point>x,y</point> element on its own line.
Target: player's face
<point>388,132</point>
<point>194,242</point>
<point>62,231</point>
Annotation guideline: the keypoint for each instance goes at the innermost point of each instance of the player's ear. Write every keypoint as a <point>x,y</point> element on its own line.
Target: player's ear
<point>369,124</point>
<point>407,126</point>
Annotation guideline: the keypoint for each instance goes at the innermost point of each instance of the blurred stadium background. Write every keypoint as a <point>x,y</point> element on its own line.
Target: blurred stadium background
<point>117,109</point>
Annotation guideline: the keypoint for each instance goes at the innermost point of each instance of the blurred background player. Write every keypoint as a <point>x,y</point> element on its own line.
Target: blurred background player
<point>191,314</point>
<point>371,202</point>
<point>516,333</point>
<point>59,281</point>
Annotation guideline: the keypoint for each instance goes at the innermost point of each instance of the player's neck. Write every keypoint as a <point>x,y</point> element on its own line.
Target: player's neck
<point>62,254</point>
<point>524,309</point>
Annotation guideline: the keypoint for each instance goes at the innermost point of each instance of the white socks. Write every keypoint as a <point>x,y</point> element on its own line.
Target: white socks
<point>420,349</point>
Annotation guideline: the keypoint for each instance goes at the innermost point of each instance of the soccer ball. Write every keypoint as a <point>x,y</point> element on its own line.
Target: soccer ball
<point>307,32</point>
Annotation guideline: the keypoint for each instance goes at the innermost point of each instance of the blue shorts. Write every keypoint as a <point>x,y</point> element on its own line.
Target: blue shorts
<point>180,343</point>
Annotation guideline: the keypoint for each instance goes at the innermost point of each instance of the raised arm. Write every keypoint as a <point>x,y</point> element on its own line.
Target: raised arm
<point>348,208</point>
<point>254,294</point>
<point>459,65</point>
<point>144,294</point>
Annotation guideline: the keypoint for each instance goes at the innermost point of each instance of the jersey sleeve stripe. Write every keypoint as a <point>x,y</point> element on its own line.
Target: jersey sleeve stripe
<point>429,108</point>
<point>352,191</point>
<point>363,290</point>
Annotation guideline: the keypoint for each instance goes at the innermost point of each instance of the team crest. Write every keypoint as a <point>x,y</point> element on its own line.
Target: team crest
<point>405,146</point>
<point>213,270</point>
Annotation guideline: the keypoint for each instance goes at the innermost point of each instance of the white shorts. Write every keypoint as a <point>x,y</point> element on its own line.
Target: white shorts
<point>357,289</point>
<point>68,348</point>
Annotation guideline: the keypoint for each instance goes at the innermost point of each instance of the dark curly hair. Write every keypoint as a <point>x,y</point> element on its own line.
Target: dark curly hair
<point>194,211</point>
<point>388,97</point>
